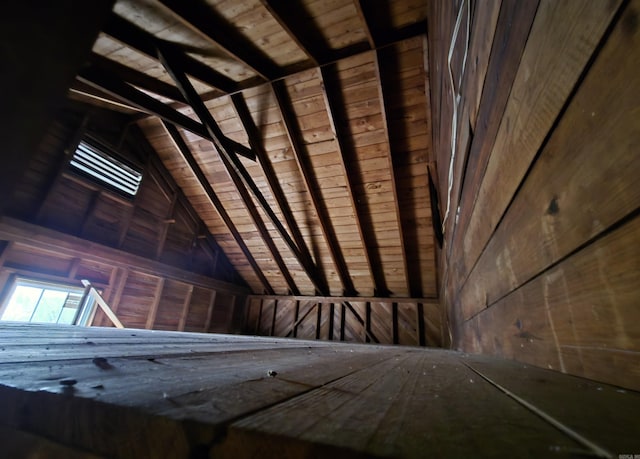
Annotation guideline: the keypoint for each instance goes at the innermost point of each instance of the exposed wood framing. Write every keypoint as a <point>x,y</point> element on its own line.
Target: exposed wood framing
<point>127,93</point>
<point>235,168</point>
<point>329,93</point>
<point>338,299</point>
<point>273,318</point>
<point>182,147</point>
<point>331,320</point>
<point>167,223</point>
<point>140,79</point>
<point>108,311</point>
<point>294,328</point>
<point>48,240</point>
<point>295,319</point>
<point>390,153</point>
<point>185,308</point>
<point>212,302</point>
<point>136,38</point>
<point>394,323</point>
<point>311,186</point>
<point>318,320</point>
<point>360,9</point>
<point>302,253</point>
<point>259,321</point>
<point>368,334</point>
<point>421,331</point>
<point>153,310</point>
<point>310,40</point>
<point>205,21</point>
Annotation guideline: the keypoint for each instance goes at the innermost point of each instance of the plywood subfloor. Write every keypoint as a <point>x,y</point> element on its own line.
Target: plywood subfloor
<point>133,393</point>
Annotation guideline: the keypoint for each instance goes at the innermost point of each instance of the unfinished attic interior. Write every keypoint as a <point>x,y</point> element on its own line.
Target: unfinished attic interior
<point>320,228</point>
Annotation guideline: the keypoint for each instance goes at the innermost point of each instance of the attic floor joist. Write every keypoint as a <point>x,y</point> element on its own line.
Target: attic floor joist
<point>267,397</point>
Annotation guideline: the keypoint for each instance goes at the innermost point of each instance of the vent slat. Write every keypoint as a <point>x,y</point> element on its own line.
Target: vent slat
<point>106,169</point>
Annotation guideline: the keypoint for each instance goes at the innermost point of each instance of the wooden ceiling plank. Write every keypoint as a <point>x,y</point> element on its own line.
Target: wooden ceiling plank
<point>411,290</point>
<point>360,9</point>
<point>121,90</point>
<point>212,26</point>
<point>374,266</point>
<point>306,169</point>
<point>184,150</point>
<point>137,78</point>
<point>302,255</point>
<point>309,39</point>
<point>142,41</point>
<point>239,175</point>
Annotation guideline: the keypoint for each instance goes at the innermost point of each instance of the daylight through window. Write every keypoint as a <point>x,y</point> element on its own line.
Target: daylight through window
<point>35,301</point>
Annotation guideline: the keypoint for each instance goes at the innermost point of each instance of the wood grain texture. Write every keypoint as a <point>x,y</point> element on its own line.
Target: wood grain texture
<point>534,104</point>
<point>577,317</point>
<point>549,216</point>
<point>247,396</point>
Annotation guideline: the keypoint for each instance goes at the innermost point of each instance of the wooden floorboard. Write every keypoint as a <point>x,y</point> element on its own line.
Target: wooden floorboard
<point>564,397</point>
<point>139,393</point>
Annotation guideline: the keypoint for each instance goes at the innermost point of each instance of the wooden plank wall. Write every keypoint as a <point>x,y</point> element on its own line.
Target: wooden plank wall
<point>401,321</point>
<point>540,261</point>
<point>159,223</point>
<point>142,293</point>
<point>158,227</point>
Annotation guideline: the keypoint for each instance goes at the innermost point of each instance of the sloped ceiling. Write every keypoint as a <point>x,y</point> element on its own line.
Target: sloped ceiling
<point>331,97</point>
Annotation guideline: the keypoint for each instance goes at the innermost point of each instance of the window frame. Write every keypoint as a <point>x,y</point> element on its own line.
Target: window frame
<point>87,304</point>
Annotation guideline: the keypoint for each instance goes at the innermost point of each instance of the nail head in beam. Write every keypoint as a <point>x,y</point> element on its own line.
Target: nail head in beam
<point>183,149</point>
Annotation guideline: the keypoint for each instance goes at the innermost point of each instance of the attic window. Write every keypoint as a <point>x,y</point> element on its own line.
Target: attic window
<point>103,168</point>
<point>47,302</point>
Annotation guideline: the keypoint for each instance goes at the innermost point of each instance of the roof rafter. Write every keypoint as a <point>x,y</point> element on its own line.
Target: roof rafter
<point>186,154</point>
<point>331,93</point>
<point>309,39</point>
<point>131,96</point>
<point>385,124</point>
<point>136,38</point>
<point>234,166</point>
<point>311,185</point>
<point>137,78</point>
<point>380,32</point>
<point>257,146</point>
<point>362,14</point>
<point>212,26</point>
